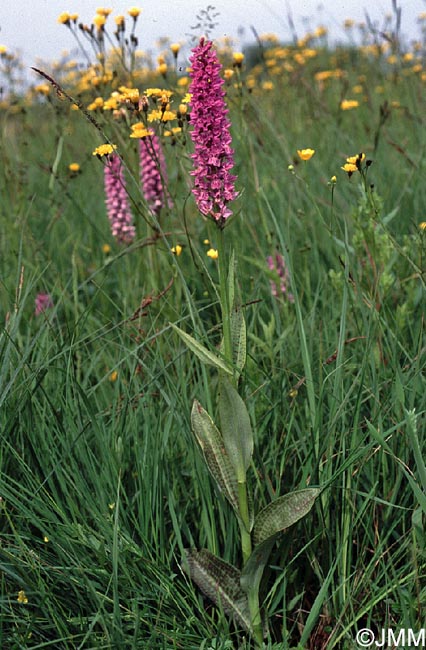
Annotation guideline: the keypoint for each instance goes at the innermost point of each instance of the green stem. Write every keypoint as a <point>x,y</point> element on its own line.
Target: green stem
<point>224,297</point>
<point>244,521</point>
<point>255,617</point>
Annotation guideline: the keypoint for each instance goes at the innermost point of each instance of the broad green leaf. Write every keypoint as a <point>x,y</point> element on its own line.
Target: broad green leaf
<point>202,353</point>
<point>282,513</point>
<point>236,428</point>
<point>252,573</point>
<point>211,442</point>
<point>219,581</point>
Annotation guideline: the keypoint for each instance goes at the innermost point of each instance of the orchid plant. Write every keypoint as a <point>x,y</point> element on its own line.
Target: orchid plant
<point>228,449</point>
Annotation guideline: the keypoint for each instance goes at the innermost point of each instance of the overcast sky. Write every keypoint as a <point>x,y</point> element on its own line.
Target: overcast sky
<point>31,25</point>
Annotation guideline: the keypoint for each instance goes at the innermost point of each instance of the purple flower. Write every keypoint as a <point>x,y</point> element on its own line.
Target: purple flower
<point>277,264</point>
<point>117,201</point>
<point>153,172</point>
<point>214,185</point>
<point>43,301</point>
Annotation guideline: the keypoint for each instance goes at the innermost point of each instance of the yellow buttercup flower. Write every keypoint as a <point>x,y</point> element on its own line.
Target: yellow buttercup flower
<point>305,154</point>
<point>74,167</point>
<point>175,47</point>
<point>177,250</point>
<point>213,253</point>
<point>422,225</point>
<point>106,248</point>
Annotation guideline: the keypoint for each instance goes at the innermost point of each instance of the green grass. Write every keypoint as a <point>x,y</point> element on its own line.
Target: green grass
<point>102,486</point>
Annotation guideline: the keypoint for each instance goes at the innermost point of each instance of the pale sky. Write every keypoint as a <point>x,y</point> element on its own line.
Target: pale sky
<point>31,25</point>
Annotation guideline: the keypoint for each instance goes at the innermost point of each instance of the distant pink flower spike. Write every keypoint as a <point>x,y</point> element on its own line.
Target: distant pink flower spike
<point>277,264</point>
<point>43,301</point>
<point>153,172</point>
<point>117,202</point>
<point>214,185</point>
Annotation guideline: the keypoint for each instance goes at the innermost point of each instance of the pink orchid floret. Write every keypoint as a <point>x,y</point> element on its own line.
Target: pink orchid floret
<point>117,201</point>
<point>214,185</point>
<point>153,172</point>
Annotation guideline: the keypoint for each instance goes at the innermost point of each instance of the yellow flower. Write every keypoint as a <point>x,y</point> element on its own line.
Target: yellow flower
<point>333,180</point>
<point>74,167</point>
<point>228,73</point>
<point>206,242</point>
<point>103,12</point>
<point>3,49</point>
<point>175,47</point>
<point>119,20</point>
<point>134,12</point>
<point>74,17</point>
<point>238,58</point>
<point>139,130</point>
<point>45,539</point>
<point>349,168</point>
<point>354,160</point>
<point>113,376</point>
<point>104,150</point>
<point>22,597</point>
<point>106,248</point>
<point>213,253</point>
<point>422,225</point>
<point>64,18</point>
<point>348,104</point>
<point>177,250</point>
<point>43,89</point>
<point>305,154</point>
<point>99,20</point>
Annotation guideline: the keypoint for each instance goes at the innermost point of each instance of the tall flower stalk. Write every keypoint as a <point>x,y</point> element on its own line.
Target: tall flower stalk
<point>228,451</point>
<point>117,201</point>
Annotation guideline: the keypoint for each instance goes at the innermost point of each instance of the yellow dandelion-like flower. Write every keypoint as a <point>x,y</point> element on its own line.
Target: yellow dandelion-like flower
<point>177,250</point>
<point>134,12</point>
<point>64,18</point>
<point>22,597</point>
<point>305,154</point>
<point>74,17</point>
<point>237,58</point>
<point>182,82</point>
<point>349,168</point>
<point>46,539</point>
<point>175,47</point>
<point>99,20</point>
<point>333,180</point>
<point>360,157</point>
<point>3,49</point>
<point>102,11</point>
<point>349,104</point>
<point>106,248</point>
<point>139,130</point>
<point>206,242</point>
<point>74,167</point>
<point>42,89</point>
<point>104,150</point>
<point>213,253</point>
<point>422,225</point>
<point>119,20</point>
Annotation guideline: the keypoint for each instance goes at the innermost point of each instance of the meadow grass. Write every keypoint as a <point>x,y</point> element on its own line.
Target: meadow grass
<point>102,486</point>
